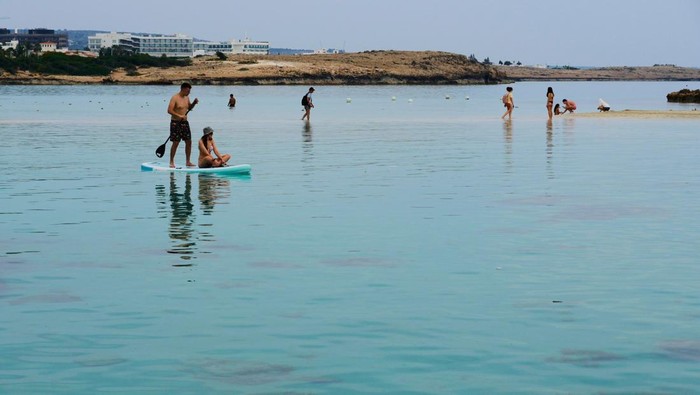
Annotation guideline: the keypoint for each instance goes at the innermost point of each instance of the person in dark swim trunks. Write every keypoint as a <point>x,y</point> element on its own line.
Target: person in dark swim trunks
<point>178,108</point>
<point>180,130</point>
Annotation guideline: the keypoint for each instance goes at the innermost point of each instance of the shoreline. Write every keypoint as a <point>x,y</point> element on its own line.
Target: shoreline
<point>639,114</point>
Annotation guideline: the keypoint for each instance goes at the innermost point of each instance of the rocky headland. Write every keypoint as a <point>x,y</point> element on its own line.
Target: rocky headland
<point>684,96</point>
<point>364,68</point>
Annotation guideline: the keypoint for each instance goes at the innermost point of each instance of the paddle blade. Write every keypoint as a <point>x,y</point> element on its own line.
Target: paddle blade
<point>160,151</point>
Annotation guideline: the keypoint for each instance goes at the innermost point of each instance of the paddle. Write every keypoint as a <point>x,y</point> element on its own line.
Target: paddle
<point>160,151</point>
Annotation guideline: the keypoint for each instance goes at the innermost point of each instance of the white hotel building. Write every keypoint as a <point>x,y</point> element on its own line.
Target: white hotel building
<point>232,47</point>
<point>105,40</point>
<point>177,45</point>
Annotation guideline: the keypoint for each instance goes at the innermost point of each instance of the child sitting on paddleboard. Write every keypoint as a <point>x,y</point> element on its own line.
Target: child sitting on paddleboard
<point>207,147</point>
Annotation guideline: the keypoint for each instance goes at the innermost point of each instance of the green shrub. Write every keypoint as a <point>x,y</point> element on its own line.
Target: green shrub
<point>60,63</point>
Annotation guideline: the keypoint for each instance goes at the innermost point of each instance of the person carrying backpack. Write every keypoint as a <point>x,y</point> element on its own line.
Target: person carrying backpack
<point>308,104</point>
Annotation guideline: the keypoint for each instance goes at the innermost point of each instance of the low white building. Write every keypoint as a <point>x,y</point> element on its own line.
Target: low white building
<point>251,47</point>
<point>48,46</point>
<point>176,45</point>
<point>11,45</point>
<point>231,47</point>
<point>327,51</point>
<point>211,47</point>
<point>105,40</point>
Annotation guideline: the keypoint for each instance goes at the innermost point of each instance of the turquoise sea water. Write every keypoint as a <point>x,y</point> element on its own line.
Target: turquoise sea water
<point>416,245</point>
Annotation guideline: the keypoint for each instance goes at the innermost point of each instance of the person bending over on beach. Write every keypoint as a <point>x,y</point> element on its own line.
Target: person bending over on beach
<point>550,101</point>
<point>508,103</point>
<point>207,147</point>
<point>569,106</point>
<point>557,111</point>
<point>179,126</point>
<point>603,106</point>
<point>308,104</point>
<point>231,101</point>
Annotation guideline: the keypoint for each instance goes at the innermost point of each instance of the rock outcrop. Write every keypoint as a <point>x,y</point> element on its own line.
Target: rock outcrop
<point>684,96</point>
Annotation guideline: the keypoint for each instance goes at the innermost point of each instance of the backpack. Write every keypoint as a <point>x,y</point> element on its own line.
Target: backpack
<point>305,100</point>
<point>505,99</point>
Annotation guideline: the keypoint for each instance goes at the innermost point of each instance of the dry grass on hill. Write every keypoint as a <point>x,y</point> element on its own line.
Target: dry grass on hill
<point>374,67</point>
<point>364,68</point>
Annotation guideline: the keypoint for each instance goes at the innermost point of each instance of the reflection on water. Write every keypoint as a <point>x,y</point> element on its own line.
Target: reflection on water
<point>307,137</point>
<point>550,149</point>
<point>306,132</point>
<point>307,147</point>
<point>211,190</point>
<point>568,126</point>
<point>407,207</point>
<point>182,218</point>
<point>508,144</point>
<point>176,203</point>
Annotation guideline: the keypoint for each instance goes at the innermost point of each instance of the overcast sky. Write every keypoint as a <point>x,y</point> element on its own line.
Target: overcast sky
<point>577,33</point>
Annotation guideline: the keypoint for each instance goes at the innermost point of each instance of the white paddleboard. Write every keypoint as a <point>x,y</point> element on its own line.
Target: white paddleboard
<point>162,166</point>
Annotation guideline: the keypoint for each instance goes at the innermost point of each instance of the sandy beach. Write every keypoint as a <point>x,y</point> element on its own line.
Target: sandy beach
<point>644,114</point>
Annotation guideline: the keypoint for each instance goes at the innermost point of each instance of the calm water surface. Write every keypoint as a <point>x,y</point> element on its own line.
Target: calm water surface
<point>416,245</point>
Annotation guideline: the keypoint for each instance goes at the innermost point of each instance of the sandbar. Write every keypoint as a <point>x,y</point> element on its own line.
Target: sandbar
<point>640,114</point>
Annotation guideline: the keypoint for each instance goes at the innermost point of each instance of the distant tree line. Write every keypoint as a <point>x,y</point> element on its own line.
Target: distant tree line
<point>488,62</point>
<point>564,68</point>
<point>30,58</point>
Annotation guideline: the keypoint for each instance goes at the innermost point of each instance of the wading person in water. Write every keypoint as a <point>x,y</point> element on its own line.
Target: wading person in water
<point>308,104</point>
<point>550,101</point>
<point>508,103</point>
<point>178,108</point>
<point>207,147</point>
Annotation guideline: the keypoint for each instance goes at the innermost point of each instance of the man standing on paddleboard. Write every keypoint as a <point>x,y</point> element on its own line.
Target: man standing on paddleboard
<point>178,108</point>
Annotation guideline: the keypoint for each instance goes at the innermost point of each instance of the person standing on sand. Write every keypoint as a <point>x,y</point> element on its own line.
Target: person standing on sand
<point>231,101</point>
<point>508,103</point>
<point>550,101</point>
<point>308,104</point>
<point>178,108</point>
